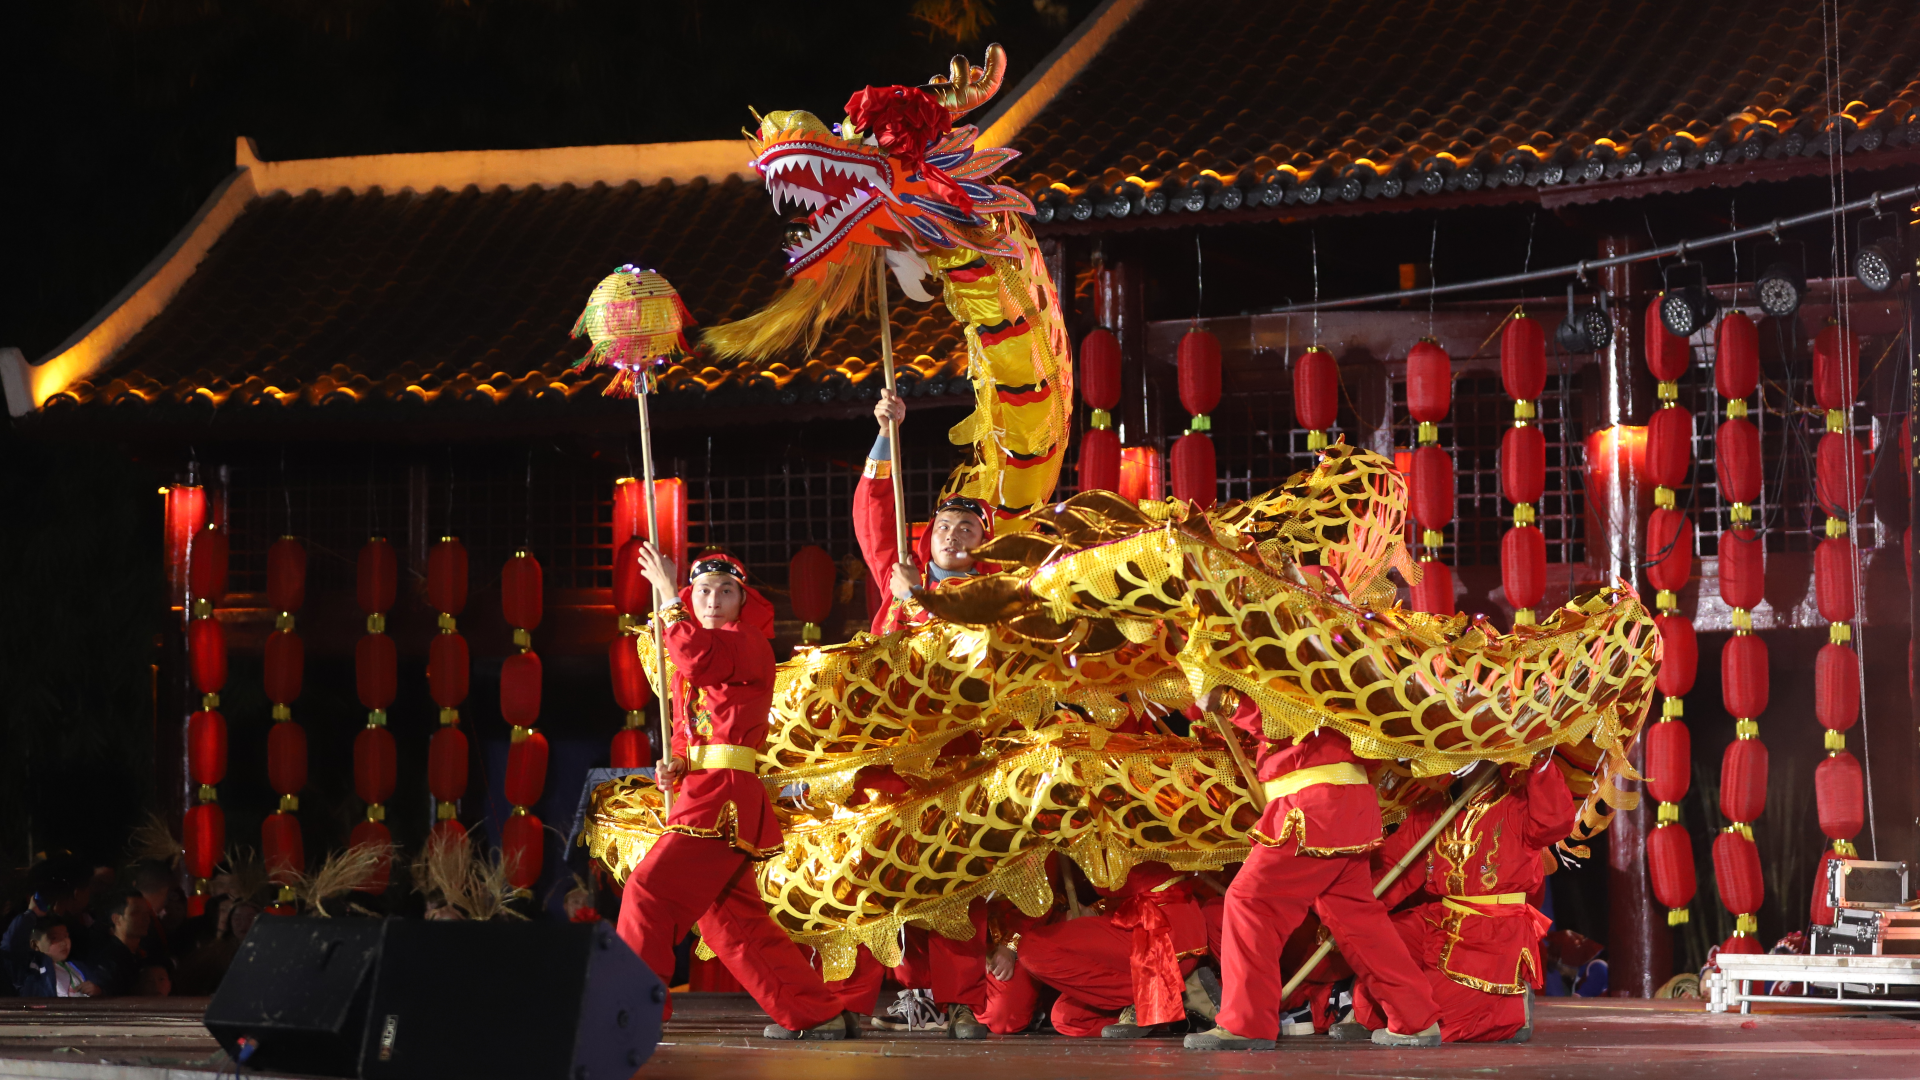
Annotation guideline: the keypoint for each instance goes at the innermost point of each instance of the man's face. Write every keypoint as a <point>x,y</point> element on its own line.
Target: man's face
<point>955,534</point>
<point>58,944</point>
<point>717,599</point>
<point>132,924</point>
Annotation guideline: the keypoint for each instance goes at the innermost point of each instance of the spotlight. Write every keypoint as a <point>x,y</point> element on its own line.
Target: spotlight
<point>1783,283</point>
<point>1876,262</point>
<point>1585,329</point>
<point>1685,309</point>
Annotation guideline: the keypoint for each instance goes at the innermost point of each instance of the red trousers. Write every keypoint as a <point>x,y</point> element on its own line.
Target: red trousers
<point>956,971</point>
<point>1466,1014</point>
<point>1270,897</point>
<point>1090,961</point>
<point>685,879</point>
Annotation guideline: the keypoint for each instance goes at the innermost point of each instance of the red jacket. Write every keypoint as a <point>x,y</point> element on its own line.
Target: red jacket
<point>1324,815</point>
<point>723,688</point>
<point>1481,930</point>
<point>873,528</point>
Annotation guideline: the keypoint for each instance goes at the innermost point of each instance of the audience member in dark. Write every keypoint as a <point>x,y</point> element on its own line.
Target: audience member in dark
<point>159,884</point>
<point>199,971</point>
<point>62,888</point>
<point>52,972</point>
<point>120,952</point>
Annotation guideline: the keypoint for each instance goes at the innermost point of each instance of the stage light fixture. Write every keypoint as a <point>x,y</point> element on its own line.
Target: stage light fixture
<point>1782,284</point>
<point>1876,262</point>
<point>1585,329</point>
<point>1686,309</point>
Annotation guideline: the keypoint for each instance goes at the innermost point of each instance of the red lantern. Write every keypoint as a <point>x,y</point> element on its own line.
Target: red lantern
<point>207,747</point>
<point>1669,446</point>
<point>448,667</point>
<point>1743,676</point>
<point>1840,473</point>
<point>631,749</point>
<point>447,764</point>
<point>520,591</point>
<point>1670,859</point>
<point>1195,476</point>
<point>630,689</point>
<point>207,565</point>
<point>1838,788</point>
<point>286,575</point>
<point>1736,356</point>
<point>287,758</point>
<point>1743,575</point>
<point>526,769</point>
<point>1434,593</point>
<point>204,835</point>
<point>446,830</point>
<point>632,595</point>
<point>1736,460</point>
<point>1316,389</point>
<point>1523,566</point>
<point>810,581</point>
<point>1680,651</point>
<point>1142,474</point>
<point>186,513</point>
<point>1199,370</point>
<point>1742,945</point>
<point>1432,487</point>
<point>1743,780</point>
<point>1836,367</point>
<point>1523,359</point>
<point>376,576</point>
<point>1736,869</point>
<point>1100,460</point>
<point>1523,464</point>
<point>283,848</point>
<point>447,576</point>
<point>670,506</point>
<point>1836,687</point>
<point>374,767</point>
<point>1100,370</point>
<point>1429,382</point>
<point>1836,568</point>
<point>629,509</point>
<point>375,670</point>
<point>285,666</point>
<point>1667,352</point>
<point>1669,761</point>
<point>1821,913</point>
<point>207,654</point>
<point>372,834</point>
<point>522,840</point>
<point>520,689</point>
<point>1669,550</point>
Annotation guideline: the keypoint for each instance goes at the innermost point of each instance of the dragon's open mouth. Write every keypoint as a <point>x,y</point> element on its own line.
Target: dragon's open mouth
<point>833,186</point>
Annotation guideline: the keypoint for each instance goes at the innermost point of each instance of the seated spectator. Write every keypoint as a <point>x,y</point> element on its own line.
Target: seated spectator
<point>159,884</point>
<point>152,981</point>
<point>199,971</point>
<point>120,951</point>
<point>62,888</point>
<point>52,972</point>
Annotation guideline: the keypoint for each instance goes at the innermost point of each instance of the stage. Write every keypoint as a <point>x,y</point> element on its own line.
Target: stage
<point>718,1035</point>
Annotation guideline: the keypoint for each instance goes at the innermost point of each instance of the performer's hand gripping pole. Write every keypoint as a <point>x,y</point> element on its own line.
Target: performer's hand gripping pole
<point>1386,880</point>
<point>885,316</point>
<point>643,386</point>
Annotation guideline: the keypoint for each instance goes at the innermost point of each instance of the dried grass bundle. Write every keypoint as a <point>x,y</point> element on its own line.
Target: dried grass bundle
<point>448,870</point>
<point>152,841</point>
<point>245,877</point>
<point>343,872</point>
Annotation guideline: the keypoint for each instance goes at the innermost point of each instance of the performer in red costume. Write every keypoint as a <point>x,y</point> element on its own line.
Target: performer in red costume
<point>1310,850</point>
<point>717,634</point>
<point>1480,939</point>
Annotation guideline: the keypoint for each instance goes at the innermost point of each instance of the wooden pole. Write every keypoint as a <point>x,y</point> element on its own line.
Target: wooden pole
<point>641,387</point>
<point>1393,875</point>
<point>1255,790</point>
<point>900,532</point>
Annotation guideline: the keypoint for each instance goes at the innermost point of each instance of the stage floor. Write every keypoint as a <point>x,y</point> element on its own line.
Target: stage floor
<point>718,1035</point>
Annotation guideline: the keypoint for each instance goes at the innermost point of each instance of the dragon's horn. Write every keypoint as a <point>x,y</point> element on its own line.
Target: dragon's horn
<point>967,87</point>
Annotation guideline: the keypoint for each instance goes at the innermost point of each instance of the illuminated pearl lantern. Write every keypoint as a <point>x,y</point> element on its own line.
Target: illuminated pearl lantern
<point>376,677</point>
<point>281,844</point>
<point>1429,397</point>
<point>1100,390</point>
<point>205,827</point>
<point>1195,472</point>
<point>522,843</point>
<point>449,671</point>
<point>1841,469</point>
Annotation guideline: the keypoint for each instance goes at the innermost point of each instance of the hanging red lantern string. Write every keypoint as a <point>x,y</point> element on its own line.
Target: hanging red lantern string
<point>1523,467</point>
<point>1429,397</point>
<point>376,676</point>
<point>1840,474</point>
<point>448,670</point>
<point>1100,390</point>
<point>1196,477</point>
<point>522,839</point>
<point>1316,394</point>
<point>206,558</point>
<point>810,582</point>
<point>281,845</point>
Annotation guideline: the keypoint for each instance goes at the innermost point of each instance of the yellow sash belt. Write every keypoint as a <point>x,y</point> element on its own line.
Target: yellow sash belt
<point>722,756</point>
<point>1340,772</point>
<point>1459,903</point>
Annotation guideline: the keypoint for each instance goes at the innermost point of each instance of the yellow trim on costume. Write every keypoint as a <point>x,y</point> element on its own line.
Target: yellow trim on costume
<point>722,756</point>
<point>1459,903</point>
<point>1340,772</point>
<point>727,827</point>
<point>877,470</point>
<point>1293,826</point>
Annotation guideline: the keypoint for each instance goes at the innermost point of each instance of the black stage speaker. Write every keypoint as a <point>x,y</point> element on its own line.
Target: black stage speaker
<point>440,1000</point>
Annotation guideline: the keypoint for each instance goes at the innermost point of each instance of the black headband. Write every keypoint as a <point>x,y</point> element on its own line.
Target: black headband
<point>961,502</point>
<point>718,566</point>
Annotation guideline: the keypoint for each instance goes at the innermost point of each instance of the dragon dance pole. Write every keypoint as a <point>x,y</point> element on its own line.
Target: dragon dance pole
<point>1386,880</point>
<point>643,386</point>
<point>893,428</point>
<point>1255,791</point>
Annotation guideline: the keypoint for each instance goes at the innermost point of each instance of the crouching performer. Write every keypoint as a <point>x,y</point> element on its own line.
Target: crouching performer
<point>1479,940</point>
<point>718,636</point>
<point>1310,851</point>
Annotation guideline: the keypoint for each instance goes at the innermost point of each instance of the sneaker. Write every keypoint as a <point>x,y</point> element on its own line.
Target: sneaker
<point>1389,1037</point>
<point>1350,1030</point>
<point>1222,1039</point>
<point>1296,1023</point>
<point>912,1010</point>
<point>1126,1026</point>
<point>962,1024</point>
<point>1525,1034</point>
<point>1203,993</point>
<point>827,1031</point>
